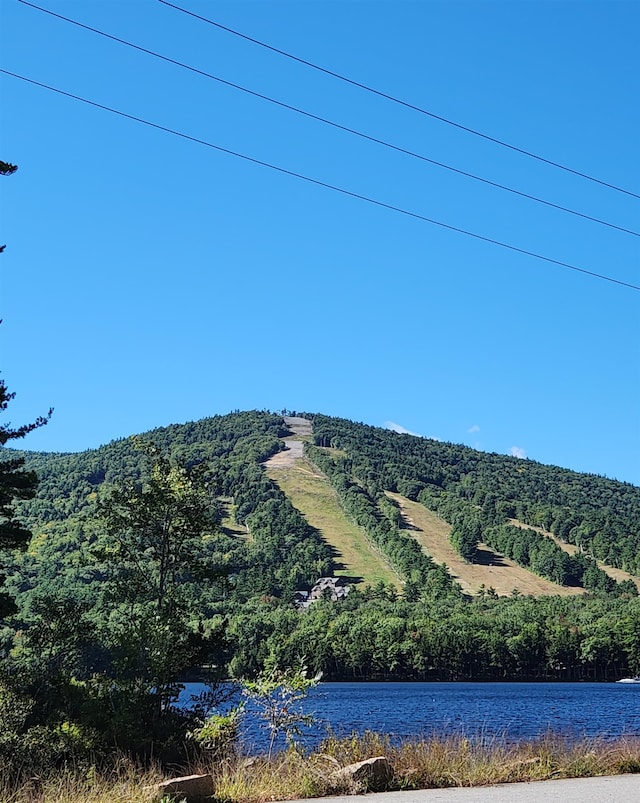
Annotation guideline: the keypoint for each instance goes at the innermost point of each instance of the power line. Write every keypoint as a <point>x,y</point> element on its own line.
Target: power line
<point>404,103</point>
<point>324,184</point>
<point>333,124</point>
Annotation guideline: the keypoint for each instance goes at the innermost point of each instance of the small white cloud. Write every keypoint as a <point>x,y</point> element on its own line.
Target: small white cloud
<point>474,428</point>
<point>517,451</point>
<point>400,429</point>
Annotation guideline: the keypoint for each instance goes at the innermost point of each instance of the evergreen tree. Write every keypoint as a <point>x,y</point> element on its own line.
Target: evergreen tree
<point>6,169</point>
<point>15,484</point>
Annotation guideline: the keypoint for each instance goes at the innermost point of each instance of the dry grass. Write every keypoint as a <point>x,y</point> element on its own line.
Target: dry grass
<point>125,784</point>
<point>497,571</point>
<point>287,776</point>
<point>436,762</point>
<point>617,574</point>
<point>459,761</point>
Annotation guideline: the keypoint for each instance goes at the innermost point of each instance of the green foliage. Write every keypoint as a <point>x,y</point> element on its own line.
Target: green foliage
<point>154,539</point>
<point>154,548</point>
<point>15,484</point>
<point>130,582</point>
<point>277,695</point>
<point>377,636</point>
<point>109,664</point>
<point>465,537</point>
<point>599,516</point>
<point>364,506</point>
<point>218,734</point>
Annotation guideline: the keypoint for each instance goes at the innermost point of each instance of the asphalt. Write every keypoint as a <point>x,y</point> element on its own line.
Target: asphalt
<point>609,789</point>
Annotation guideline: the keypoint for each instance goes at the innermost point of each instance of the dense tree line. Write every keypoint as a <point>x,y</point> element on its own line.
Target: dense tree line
<point>377,635</point>
<point>282,553</point>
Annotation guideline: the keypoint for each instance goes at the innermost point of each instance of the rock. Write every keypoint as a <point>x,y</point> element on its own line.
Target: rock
<point>373,775</point>
<point>192,788</point>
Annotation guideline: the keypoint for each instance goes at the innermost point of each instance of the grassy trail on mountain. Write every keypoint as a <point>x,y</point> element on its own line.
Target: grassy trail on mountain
<point>493,569</point>
<point>310,492</point>
<point>571,549</point>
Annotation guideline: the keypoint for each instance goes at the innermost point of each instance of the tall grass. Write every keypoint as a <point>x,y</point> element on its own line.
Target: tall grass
<point>123,783</point>
<point>460,761</point>
<point>430,763</point>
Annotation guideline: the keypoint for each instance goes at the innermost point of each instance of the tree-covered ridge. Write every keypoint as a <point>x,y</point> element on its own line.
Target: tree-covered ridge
<point>68,482</point>
<point>475,492</point>
<point>282,553</point>
<point>599,515</point>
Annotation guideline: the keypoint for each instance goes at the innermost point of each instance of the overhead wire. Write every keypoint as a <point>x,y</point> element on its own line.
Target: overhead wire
<point>326,185</point>
<point>332,123</point>
<point>400,102</point>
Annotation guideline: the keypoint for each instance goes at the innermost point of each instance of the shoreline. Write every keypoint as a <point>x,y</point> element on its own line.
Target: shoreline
<point>455,769</point>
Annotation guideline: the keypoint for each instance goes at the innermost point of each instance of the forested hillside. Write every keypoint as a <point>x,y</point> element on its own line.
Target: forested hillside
<point>478,492</point>
<point>283,552</point>
<point>136,576</point>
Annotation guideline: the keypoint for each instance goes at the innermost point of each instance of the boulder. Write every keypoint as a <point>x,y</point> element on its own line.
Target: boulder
<point>373,775</point>
<point>192,788</point>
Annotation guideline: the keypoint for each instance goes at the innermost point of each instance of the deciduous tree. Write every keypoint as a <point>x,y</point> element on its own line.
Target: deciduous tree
<point>154,548</point>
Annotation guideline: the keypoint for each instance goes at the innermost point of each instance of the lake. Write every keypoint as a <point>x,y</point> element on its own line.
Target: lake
<point>509,711</point>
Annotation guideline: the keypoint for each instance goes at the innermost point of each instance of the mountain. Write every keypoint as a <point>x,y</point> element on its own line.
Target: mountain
<point>461,563</point>
<point>507,502</point>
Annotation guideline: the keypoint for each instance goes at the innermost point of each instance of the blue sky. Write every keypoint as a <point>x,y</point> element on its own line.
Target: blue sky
<point>150,280</point>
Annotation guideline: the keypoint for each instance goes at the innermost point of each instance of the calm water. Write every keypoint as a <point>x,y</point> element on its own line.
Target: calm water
<point>509,711</point>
